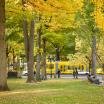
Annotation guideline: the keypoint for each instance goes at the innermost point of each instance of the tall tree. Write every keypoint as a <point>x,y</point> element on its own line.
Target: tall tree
<point>89,30</point>
<point>48,9</point>
<point>29,45</point>
<point>44,74</point>
<point>38,66</point>
<point>31,54</point>
<point>3,62</point>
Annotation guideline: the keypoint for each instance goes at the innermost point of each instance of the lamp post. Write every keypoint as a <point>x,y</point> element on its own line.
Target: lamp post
<point>103,71</point>
<point>50,59</point>
<point>57,53</point>
<point>22,60</point>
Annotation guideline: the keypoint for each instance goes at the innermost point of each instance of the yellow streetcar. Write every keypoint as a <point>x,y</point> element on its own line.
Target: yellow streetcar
<point>65,67</point>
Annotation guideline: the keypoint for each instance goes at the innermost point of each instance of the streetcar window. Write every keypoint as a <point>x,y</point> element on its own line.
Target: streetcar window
<point>79,68</point>
<point>65,67</point>
<point>51,66</point>
<point>61,67</point>
<point>82,67</point>
<point>47,66</point>
<point>69,67</point>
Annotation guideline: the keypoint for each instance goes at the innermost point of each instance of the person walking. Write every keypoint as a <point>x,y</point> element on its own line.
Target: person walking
<point>74,73</point>
<point>58,72</point>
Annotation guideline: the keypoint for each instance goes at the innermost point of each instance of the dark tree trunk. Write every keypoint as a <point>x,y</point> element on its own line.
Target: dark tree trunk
<point>3,61</point>
<point>26,38</point>
<point>89,67</point>
<point>13,53</point>
<point>25,31</point>
<point>7,55</point>
<point>94,55</point>
<point>57,59</point>
<point>57,54</point>
<point>44,75</point>
<point>29,46</point>
<point>29,49</point>
<point>38,66</point>
<point>31,54</point>
<point>90,63</point>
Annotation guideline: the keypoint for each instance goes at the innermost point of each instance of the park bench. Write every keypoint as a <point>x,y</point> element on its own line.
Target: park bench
<point>94,80</point>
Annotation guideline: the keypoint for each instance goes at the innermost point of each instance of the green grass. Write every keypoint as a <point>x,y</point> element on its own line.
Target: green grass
<point>58,91</point>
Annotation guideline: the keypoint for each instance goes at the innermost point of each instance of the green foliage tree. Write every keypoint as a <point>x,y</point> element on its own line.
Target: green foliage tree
<point>29,44</point>
<point>89,31</point>
<point>14,37</point>
<point>58,25</point>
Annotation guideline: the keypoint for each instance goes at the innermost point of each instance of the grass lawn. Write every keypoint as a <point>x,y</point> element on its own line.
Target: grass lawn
<point>58,91</point>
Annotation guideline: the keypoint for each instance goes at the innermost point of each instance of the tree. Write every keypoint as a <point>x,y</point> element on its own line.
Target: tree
<point>44,74</point>
<point>38,66</point>
<point>89,31</point>
<point>91,25</point>
<point>29,45</point>
<point>14,36</point>
<point>53,12</point>
<point>3,62</point>
<point>61,43</point>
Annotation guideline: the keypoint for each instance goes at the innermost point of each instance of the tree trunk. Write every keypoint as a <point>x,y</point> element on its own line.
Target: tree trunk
<point>26,38</point>
<point>29,46</point>
<point>57,59</point>
<point>38,66</point>
<point>7,55</point>
<point>31,54</point>
<point>94,55</point>
<point>29,50</point>
<point>25,31</point>
<point>89,67</point>
<point>13,59</point>
<point>44,74</point>
<point>3,61</point>
<point>57,54</point>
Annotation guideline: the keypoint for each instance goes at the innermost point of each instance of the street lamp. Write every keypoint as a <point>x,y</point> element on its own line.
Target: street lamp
<point>22,56</point>
<point>50,59</point>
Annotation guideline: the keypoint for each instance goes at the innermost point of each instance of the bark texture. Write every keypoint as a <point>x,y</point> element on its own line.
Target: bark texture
<point>31,54</point>
<point>29,45</point>
<point>38,66</point>
<point>29,49</point>
<point>57,54</point>
<point>44,75</point>
<point>3,61</point>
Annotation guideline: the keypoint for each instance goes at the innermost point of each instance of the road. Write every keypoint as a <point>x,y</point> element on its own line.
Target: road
<point>70,76</point>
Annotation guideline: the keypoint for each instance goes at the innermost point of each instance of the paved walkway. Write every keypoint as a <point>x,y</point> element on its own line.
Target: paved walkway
<point>79,76</point>
<point>71,76</point>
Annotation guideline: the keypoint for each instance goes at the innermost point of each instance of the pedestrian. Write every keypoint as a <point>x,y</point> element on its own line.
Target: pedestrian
<point>34,72</point>
<point>74,73</point>
<point>58,72</point>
